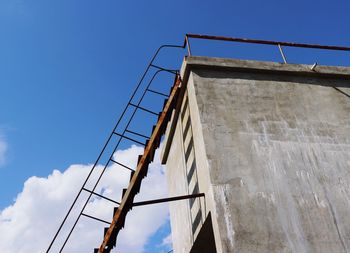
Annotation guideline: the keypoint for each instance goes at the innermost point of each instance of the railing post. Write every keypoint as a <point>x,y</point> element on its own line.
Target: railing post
<point>281,51</point>
<point>187,43</point>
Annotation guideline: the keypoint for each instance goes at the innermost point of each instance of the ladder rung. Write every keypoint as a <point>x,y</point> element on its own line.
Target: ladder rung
<point>145,165</point>
<point>115,210</point>
<point>162,200</point>
<point>137,185</point>
<point>173,71</point>
<point>157,92</point>
<point>143,109</point>
<point>132,174</point>
<point>101,196</point>
<point>152,150</point>
<point>144,171</point>
<point>128,206</point>
<point>147,141</point>
<point>139,159</point>
<point>94,218</point>
<point>159,114</point>
<point>113,239</point>
<point>164,103</point>
<point>157,142</point>
<point>128,138</point>
<point>120,222</point>
<point>124,191</point>
<point>124,166</point>
<point>132,132</point>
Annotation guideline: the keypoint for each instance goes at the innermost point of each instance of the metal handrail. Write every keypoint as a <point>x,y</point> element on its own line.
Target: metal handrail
<point>264,42</point>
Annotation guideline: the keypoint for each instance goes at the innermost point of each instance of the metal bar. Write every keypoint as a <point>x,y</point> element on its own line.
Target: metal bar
<point>101,196</point>
<point>143,109</point>
<point>105,146</point>
<point>187,43</point>
<point>281,51</point>
<point>128,138</point>
<point>173,71</point>
<point>313,66</point>
<point>72,229</point>
<point>148,149</point>
<point>267,42</point>
<point>94,218</point>
<point>156,201</point>
<point>126,167</point>
<point>132,132</point>
<point>157,92</point>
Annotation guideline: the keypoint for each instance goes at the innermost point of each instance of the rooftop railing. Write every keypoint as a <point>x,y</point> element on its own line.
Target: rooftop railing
<point>278,44</point>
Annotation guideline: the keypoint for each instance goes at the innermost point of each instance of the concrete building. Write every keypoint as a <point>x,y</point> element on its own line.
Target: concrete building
<point>269,145</point>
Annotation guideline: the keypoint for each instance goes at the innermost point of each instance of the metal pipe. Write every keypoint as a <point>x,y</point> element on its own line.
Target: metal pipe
<point>138,134</point>
<point>266,42</point>
<point>173,71</point>
<point>156,201</point>
<point>314,66</point>
<point>101,196</point>
<point>130,139</point>
<point>157,92</point>
<point>124,166</point>
<point>281,51</point>
<point>187,43</point>
<point>94,218</point>
<point>144,109</point>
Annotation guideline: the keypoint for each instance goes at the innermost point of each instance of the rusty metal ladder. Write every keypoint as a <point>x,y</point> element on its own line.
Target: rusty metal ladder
<point>152,144</point>
<point>142,167</point>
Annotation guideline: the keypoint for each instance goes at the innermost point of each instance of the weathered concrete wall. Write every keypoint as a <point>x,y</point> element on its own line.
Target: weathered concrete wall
<point>177,184</point>
<point>186,176</point>
<point>274,147</point>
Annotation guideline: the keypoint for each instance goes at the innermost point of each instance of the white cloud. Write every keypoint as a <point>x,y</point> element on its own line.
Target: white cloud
<point>167,242</point>
<point>3,149</point>
<point>30,223</point>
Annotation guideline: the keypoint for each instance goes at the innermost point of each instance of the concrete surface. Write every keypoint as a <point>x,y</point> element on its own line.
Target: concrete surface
<point>272,148</point>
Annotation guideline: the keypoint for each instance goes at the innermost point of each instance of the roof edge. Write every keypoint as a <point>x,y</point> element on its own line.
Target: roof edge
<point>263,66</point>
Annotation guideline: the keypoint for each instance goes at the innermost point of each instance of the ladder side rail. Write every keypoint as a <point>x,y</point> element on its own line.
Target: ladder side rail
<point>109,160</point>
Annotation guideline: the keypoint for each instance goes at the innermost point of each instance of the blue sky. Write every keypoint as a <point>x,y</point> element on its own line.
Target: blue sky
<point>67,68</point>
